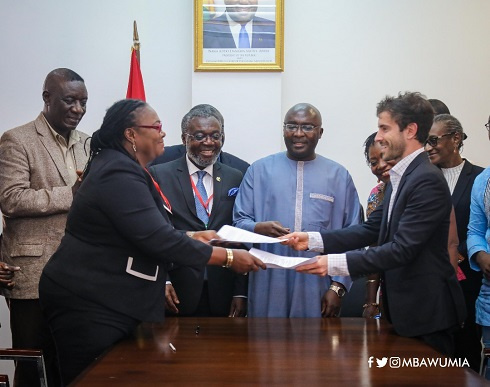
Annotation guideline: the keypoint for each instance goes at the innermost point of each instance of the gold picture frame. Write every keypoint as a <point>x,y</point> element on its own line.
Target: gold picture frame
<point>220,28</point>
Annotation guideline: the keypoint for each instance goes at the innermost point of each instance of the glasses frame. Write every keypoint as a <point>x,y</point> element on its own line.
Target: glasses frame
<point>156,127</point>
<point>437,138</point>
<point>206,136</point>
<point>300,127</point>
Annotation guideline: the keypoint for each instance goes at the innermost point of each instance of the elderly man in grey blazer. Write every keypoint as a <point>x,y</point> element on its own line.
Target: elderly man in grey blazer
<point>40,164</point>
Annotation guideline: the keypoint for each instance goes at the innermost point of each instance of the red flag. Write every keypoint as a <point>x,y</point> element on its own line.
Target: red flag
<point>136,88</point>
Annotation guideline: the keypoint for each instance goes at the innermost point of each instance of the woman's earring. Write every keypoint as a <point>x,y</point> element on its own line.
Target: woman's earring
<point>134,147</point>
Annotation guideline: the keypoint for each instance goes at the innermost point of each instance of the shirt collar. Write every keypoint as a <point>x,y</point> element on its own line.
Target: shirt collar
<point>74,135</point>
<point>193,169</point>
<point>400,167</point>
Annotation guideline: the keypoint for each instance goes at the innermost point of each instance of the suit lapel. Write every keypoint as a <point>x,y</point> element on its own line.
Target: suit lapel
<point>183,179</point>
<point>462,182</point>
<point>422,157</point>
<point>414,164</point>
<point>80,154</point>
<point>52,148</point>
<point>384,220</point>
<point>217,190</point>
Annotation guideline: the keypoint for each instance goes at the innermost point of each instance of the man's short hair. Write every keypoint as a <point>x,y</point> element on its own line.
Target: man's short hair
<point>438,106</point>
<point>407,108</point>
<point>62,73</point>
<point>203,110</point>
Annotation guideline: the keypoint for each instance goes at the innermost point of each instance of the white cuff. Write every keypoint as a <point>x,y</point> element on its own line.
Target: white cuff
<point>337,265</point>
<point>315,242</point>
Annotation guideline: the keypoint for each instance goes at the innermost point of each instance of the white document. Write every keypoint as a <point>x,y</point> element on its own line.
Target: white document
<point>234,234</point>
<point>281,262</point>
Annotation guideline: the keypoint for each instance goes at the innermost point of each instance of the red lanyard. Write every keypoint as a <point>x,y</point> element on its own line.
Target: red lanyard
<point>199,197</point>
<point>167,205</point>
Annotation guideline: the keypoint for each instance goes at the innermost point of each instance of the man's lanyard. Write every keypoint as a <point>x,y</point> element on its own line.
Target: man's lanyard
<point>166,204</point>
<point>199,197</point>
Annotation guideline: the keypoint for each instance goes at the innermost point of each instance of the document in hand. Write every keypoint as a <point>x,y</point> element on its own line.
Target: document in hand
<point>237,235</point>
<point>278,261</point>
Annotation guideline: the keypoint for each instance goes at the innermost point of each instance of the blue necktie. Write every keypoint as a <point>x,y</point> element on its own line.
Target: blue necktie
<point>201,211</point>
<point>243,41</point>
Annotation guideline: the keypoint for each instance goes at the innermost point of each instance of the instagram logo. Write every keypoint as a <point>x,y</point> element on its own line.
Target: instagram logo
<point>395,362</point>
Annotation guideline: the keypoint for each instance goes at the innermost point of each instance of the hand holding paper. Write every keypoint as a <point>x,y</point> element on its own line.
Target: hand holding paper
<point>237,235</point>
<point>296,240</point>
<point>281,262</point>
<point>318,267</point>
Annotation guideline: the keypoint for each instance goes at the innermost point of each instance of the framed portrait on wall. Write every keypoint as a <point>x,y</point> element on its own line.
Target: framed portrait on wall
<point>238,35</point>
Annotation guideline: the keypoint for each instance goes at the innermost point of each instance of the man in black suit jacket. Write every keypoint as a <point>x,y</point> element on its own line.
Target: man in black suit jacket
<point>175,152</point>
<point>226,30</point>
<point>218,291</point>
<point>422,297</point>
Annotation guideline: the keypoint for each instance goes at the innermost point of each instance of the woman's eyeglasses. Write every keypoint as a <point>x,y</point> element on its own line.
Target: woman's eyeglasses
<point>156,127</point>
<point>433,140</point>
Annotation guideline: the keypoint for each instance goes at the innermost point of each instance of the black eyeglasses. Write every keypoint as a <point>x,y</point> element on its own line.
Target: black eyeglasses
<point>201,137</point>
<point>433,140</point>
<point>487,125</point>
<point>304,128</point>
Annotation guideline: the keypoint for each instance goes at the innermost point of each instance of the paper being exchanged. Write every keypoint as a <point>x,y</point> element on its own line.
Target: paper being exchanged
<point>237,235</point>
<point>281,262</point>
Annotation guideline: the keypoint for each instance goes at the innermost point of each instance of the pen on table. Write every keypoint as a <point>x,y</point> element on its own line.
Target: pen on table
<point>172,347</point>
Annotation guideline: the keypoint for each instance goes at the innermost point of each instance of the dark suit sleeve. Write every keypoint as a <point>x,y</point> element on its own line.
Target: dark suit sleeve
<point>353,237</point>
<point>422,209</point>
<point>128,203</point>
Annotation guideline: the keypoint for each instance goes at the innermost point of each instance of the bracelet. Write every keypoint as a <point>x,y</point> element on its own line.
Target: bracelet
<point>229,258</point>
<point>371,281</point>
<point>371,304</point>
<point>190,233</point>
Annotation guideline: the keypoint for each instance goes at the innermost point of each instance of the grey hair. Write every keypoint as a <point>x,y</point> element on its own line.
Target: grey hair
<point>451,124</point>
<point>205,111</point>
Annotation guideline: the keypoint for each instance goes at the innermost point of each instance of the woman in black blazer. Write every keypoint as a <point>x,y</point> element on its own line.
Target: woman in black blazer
<point>109,272</point>
<point>443,146</point>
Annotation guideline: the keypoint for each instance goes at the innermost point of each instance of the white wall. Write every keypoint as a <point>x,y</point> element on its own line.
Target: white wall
<point>342,56</point>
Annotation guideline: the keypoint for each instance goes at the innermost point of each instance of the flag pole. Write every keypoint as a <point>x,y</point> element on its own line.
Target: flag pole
<point>136,88</point>
<point>136,41</point>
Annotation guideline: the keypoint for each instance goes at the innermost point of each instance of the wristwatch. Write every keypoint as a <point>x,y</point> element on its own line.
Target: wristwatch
<point>338,289</point>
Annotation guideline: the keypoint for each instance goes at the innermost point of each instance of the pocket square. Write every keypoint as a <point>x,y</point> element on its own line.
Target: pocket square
<point>233,191</point>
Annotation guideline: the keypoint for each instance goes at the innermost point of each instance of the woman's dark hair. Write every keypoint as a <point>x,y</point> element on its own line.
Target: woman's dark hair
<point>118,118</point>
<point>368,144</point>
<point>451,124</point>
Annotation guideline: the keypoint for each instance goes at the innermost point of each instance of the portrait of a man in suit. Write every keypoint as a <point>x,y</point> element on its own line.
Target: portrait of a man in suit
<point>239,27</point>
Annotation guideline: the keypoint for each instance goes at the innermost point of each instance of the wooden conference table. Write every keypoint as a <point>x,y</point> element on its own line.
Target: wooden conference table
<point>274,351</point>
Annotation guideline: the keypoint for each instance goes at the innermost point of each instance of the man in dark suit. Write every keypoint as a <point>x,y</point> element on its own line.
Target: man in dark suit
<point>421,294</point>
<point>177,151</point>
<point>200,203</point>
<point>238,27</point>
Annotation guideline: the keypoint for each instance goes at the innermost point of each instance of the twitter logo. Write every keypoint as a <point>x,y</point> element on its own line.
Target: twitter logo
<point>381,363</point>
